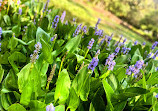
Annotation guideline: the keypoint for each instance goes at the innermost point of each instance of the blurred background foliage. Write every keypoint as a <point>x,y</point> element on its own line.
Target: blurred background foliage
<point>134,19</point>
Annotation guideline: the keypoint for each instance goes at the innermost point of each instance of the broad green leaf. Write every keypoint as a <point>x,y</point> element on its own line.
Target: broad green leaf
<point>12,43</point>
<point>109,92</point>
<point>60,108</point>
<point>23,76</point>
<point>4,101</point>
<point>122,59</point>
<point>81,83</point>
<point>41,34</point>
<point>16,57</point>
<point>16,107</point>
<point>137,56</point>
<point>62,87</point>
<point>26,94</point>
<point>16,29</point>
<point>1,73</point>
<point>46,49</point>
<point>7,19</point>
<point>153,79</point>
<point>73,43</point>
<point>36,105</point>
<point>119,106</point>
<point>74,100</point>
<point>11,80</point>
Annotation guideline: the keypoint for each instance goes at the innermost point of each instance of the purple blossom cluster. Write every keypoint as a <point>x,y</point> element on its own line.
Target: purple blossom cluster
<point>84,29</point>
<point>144,43</point>
<point>108,39</point>
<point>135,69</point>
<point>18,2</point>
<point>99,32</point>
<point>50,107</point>
<point>124,41</point>
<point>90,44</point>
<point>125,50</point>
<point>149,55</point>
<point>77,30</point>
<point>155,55</point>
<point>45,6</point>
<point>156,96</point>
<point>63,16</point>
<point>110,62</point>
<point>117,50</point>
<point>35,55</point>
<point>93,63</point>
<point>96,25</point>
<point>55,22</point>
<point>154,45</point>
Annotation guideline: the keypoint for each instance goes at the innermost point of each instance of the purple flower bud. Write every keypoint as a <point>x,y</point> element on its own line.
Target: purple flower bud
<point>139,64</point>
<point>155,55</point>
<point>54,37</point>
<point>90,44</point>
<point>50,107</point>
<point>93,63</point>
<point>96,26</point>
<point>154,45</point>
<point>66,23</point>
<point>111,65</point>
<point>124,41</point>
<point>55,22</point>
<point>157,69</point>
<point>136,42</point>
<point>129,70</point>
<point>110,62</point>
<point>149,55</point>
<point>108,40</point>
<point>18,2</point>
<point>84,29</point>
<point>156,96</point>
<point>99,32</point>
<point>144,43</point>
<point>117,50</point>
<point>77,30</point>
<point>0,32</point>
<point>63,16</point>
<point>74,19</point>
<point>20,11</point>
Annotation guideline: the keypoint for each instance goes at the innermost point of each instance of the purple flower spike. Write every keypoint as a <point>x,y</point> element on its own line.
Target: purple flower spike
<point>144,43</point>
<point>50,107</point>
<point>155,55</point>
<point>111,65</point>
<point>110,62</point>
<point>96,26</point>
<point>0,32</point>
<point>55,22</point>
<point>93,63</point>
<point>154,45</point>
<point>149,55</point>
<point>20,11</point>
<point>124,41</point>
<point>90,44</point>
<point>18,2</point>
<point>117,50</point>
<point>84,29</point>
<point>63,16</point>
<point>77,30</point>
<point>54,37</point>
<point>136,42</point>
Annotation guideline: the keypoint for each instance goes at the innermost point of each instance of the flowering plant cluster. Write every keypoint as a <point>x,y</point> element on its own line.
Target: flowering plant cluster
<point>48,63</point>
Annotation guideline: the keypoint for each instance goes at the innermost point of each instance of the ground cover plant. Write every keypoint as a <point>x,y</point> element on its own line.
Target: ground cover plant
<point>48,63</point>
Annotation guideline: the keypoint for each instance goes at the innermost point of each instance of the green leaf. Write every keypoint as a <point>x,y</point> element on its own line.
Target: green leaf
<point>62,87</point>
<point>137,56</point>
<point>36,105</point>
<point>1,73</point>
<point>119,106</point>
<point>23,76</point>
<point>41,34</point>
<point>60,108</point>
<point>16,57</point>
<point>153,79</point>
<point>73,43</point>
<point>4,100</point>
<point>16,107</point>
<point>74,100</point>
<point>12,43</point>
<point>11,80</point>
<point>46,49</point>
<point>16,29</point>
<point>109,92</point>
<point>7,19</point>
<point>81,83</point>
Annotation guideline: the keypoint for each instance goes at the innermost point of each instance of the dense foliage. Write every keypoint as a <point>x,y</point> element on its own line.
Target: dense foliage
<point>48,63</point>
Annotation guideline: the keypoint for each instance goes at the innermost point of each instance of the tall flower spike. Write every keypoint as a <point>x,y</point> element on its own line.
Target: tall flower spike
<point>55,22</point>
<point>117,50</point>
<point>18,2</point>
<point>0,32</point>
<point>93,63</point>
<point>154,45</point>
<point>77,30</point>
<point>110,62</point>
<point>90,44</point>
<point>63,16</point>
<point>84,29</point>
<point>149,55</point>
<point>50,107</point>
<point>144,43</point>
<point>96,26</point>
<point>136,42</point>
<point>35,55</point>
<point>155,55</point>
